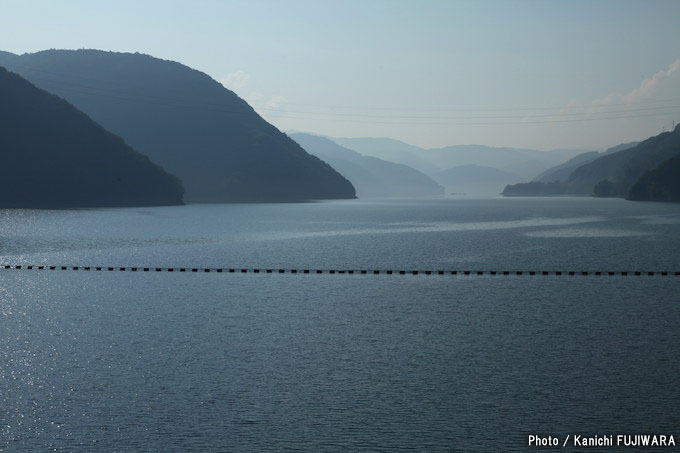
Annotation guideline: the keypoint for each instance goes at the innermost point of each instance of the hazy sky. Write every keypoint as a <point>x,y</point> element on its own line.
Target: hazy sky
<point>540,74</point>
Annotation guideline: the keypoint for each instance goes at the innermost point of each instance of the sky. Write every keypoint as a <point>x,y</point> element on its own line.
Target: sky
<point>527,74</point>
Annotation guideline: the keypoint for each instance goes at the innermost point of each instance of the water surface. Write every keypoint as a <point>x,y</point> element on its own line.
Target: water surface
<point>134,361</point>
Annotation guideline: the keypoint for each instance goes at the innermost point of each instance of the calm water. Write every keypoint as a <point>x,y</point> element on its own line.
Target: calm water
<point>232,362</point>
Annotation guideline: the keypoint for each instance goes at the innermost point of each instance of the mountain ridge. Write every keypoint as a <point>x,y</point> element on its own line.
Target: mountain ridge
<point>563,171</point>
<point>659,184</point>
<point>525,162</point>
<point>372,177</point>
<point>611,174</point>
<point>186,121</point>
<point>55,156</point>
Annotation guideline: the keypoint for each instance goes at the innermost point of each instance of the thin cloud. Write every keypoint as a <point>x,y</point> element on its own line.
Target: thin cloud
<point>274,102</point>
<point>255,99</point>
<point>267,106</point>
<point>647,88</point>
<point>235,80</point>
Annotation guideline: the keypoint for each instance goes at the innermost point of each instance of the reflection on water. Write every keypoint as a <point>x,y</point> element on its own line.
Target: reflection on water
<point>96,361</point>
<point>660,219</point>
<point>223,362</point>
<point>438,227</point>
<point>445,233</point>
<point>586,233</point>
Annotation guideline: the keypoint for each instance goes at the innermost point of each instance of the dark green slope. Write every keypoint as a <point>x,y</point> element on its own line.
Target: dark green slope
<point>659,184</point>
<point>561,172</point>
<point>610,175</point>
<point>181,118</point>
<point>54,156</point>
<point>613,175</point>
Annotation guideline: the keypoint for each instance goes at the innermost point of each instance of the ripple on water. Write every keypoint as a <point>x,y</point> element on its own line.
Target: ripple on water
<point>586,233</point>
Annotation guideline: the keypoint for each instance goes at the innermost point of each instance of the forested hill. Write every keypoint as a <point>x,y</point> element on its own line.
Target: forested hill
<point>222,150</point>
<point>659,184</point>
<point>615,173</point>
<point>54,156</point>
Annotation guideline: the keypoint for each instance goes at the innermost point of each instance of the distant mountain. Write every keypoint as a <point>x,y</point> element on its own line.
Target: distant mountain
<point>54,156</point>
<point>659,184</point>
<point>610,175</point>
<point>391,150</point>
<point>372,177</point>
<point>561,172</point>
<point>524,162</point>
<point>535,189</point>
<point>181,118</point>
<point>7,57</point>
<point>475,179</point>
<point>614,175</point>
<point>621,147</point>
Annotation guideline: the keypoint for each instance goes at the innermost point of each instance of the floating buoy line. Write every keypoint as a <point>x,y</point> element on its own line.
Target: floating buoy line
<point>233,270</point>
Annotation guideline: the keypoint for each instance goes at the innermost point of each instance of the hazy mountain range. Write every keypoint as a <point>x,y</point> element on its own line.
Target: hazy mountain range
<point>372,177</point>
<point>475,180</point>
<point>561,172</point>
<point>54,156</point>
<point>470,169</point>
<point>222,150</point>
<point>526,163</point>
<point>648,166</point>
<point>390,150</point>
<point>476,169</point>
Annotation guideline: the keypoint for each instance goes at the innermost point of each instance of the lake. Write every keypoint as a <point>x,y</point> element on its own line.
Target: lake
<point>322,362</point>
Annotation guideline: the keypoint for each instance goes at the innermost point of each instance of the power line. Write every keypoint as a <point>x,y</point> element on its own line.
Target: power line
<point>176,102</point>
<point>438,107</point>
<point>413,120</point>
